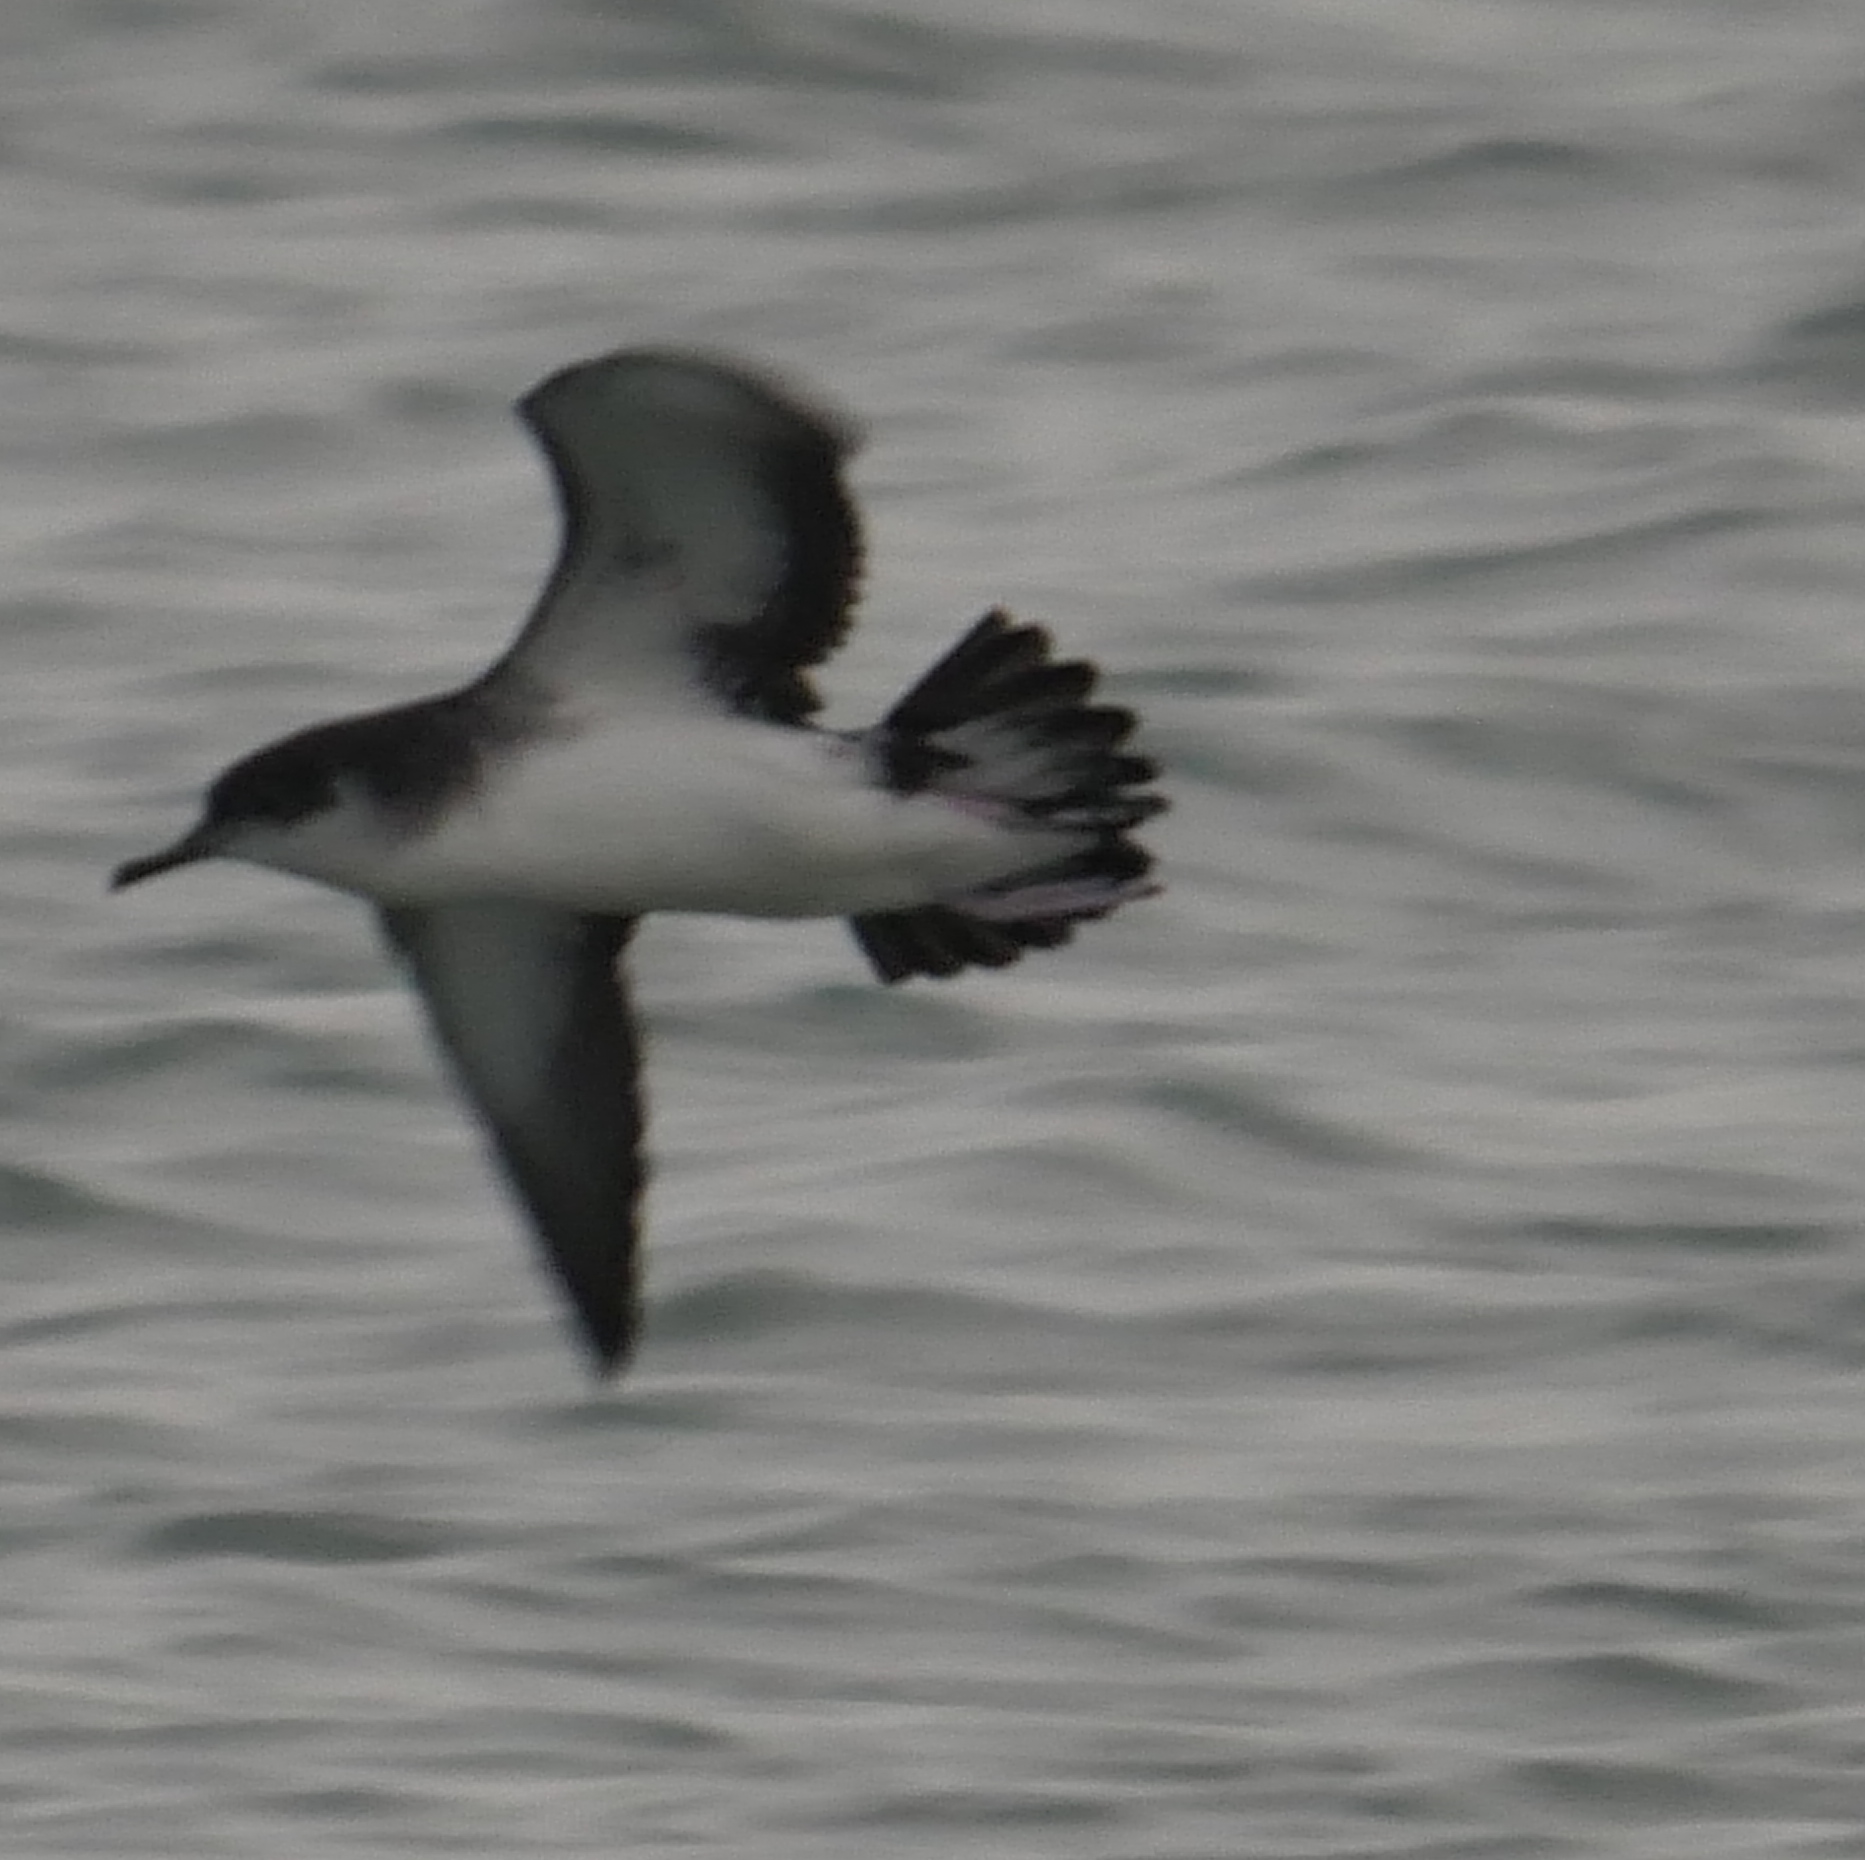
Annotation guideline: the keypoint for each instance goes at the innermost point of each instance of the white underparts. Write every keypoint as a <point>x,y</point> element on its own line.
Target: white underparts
<point>691,813</point>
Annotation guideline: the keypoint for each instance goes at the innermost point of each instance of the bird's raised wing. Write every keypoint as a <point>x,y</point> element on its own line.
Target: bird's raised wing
<point>528,1005</point>
<point>707,536</point>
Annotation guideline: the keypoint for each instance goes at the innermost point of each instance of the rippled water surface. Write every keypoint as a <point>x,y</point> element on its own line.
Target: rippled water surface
<point>1360,1357</point>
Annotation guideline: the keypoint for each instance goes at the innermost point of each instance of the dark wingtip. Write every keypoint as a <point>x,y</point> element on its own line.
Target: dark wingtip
<point>767,387</point>
<point>609,1341</point>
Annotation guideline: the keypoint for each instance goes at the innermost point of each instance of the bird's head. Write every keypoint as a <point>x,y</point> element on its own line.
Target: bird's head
<point>253,811</point>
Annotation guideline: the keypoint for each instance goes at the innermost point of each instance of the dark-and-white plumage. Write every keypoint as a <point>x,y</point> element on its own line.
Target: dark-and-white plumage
<point>646,744</point>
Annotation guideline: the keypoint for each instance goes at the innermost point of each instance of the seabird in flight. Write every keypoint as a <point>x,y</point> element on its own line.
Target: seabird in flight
<point>646,744</point>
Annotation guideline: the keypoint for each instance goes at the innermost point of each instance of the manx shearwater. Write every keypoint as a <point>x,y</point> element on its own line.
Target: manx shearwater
<point>646,744</point>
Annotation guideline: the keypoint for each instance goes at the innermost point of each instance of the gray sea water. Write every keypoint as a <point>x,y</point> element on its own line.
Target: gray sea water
<point>1361,1357</point>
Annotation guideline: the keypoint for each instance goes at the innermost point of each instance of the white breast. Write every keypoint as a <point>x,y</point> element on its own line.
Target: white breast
<point>693,815</point>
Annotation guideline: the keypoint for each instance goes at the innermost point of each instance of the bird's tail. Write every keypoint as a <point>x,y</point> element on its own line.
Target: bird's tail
<point>1000,726</point>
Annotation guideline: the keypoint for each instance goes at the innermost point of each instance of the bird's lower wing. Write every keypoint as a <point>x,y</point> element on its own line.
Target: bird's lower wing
<point>528,1004</point>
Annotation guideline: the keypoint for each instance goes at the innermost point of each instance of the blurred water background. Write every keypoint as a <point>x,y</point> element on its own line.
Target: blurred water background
<point>1358,1358</point>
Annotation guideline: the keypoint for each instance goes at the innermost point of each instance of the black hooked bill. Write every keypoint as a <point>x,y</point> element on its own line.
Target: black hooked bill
<point>185,851</point>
